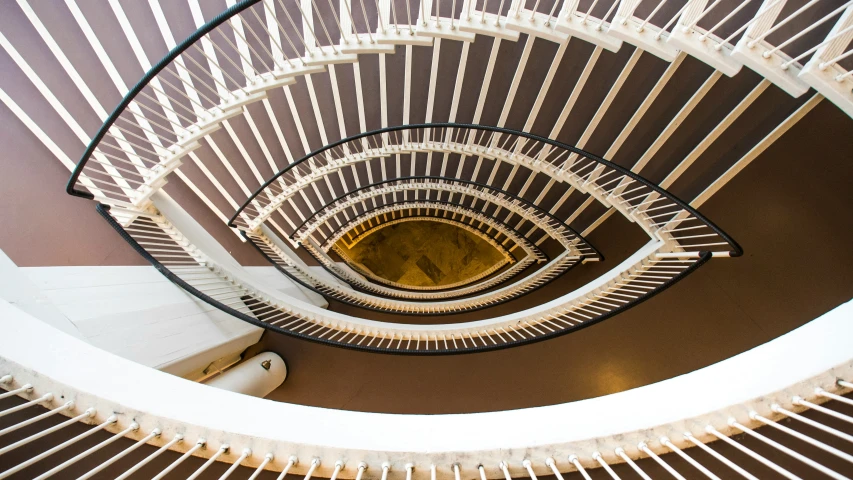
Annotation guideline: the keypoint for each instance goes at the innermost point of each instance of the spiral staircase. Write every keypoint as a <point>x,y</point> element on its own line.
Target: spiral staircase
<point>579,139</point>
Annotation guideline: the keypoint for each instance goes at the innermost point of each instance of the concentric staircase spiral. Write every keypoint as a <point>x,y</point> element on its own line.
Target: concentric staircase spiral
<point>305,125</point>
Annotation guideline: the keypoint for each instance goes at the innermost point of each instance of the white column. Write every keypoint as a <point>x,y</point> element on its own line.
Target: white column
<point>257,376</point>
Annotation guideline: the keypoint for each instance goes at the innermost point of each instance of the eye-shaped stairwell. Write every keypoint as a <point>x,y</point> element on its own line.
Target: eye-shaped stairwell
<point>410,211</point>
<point>317,115</point>
<point>177,72</point>
<point>663,216</point>
<point>501,236</point>
<point>682,239</point>
<point>441,211</point>
<point>446,303</point>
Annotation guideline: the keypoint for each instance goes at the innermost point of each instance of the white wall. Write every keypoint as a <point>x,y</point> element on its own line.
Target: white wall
<point>137,313</point>
<point>17,289</point>
<point>272,278</point>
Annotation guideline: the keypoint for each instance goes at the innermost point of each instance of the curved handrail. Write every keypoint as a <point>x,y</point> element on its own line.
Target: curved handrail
<point>485,274</point>
<point>531,251</point>
<point>432,218</point>
<point>231,99</point>
<point>639,278</point>
<point>142,83</point>
<point>378,285</point>
<point>436,307</point>
<point>572,238</point>
<point>512,232</point>
<point>766,381</point>
<point>735,250</point>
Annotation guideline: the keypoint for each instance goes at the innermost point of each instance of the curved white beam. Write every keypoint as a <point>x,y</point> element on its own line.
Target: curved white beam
<point>749,382</point>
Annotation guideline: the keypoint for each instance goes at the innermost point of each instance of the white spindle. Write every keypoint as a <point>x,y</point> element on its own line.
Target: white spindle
<point>109,421</point>
<point>22,389</point>
<point>175,440</point>
<point>576,462</point>
<point>142,441</point>
<point>598,458</point>
<point>24,423</point>
<point>44,398</point>
<point>787,19</point>
<point>314,464</point>
<point>812,26</point>
<point>267,459</point>
<point>724,20</point>
<point>667,443</point>
<point>786,450</point>
<point>822,409</point>
<point>222,451</point>
<point>244,455</point>
<point>621,453</point>
<point>291,461</point>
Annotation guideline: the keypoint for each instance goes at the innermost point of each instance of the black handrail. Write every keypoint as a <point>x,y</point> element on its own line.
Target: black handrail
<point>447,203</point>
<point>103,210</point>
<point>526,203</point>
<point>455,223</point>
<point>142,83</point>
<point>355,286</point>
<point>531,245</point>
<point>736,249</point>
<point>363,290</point>
<point>398,312</point>
<point>220,19</point>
